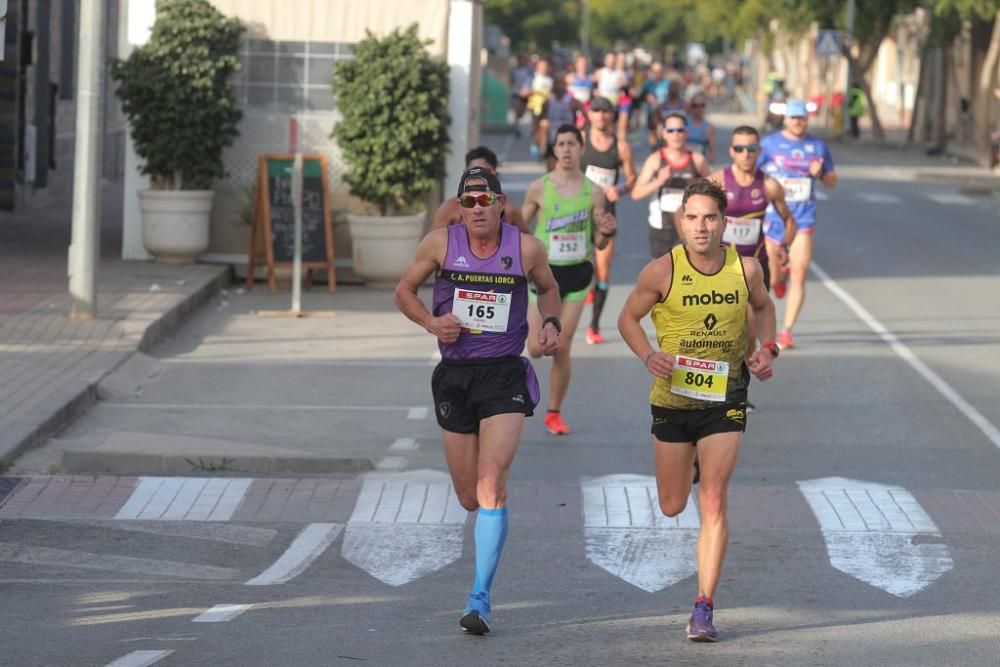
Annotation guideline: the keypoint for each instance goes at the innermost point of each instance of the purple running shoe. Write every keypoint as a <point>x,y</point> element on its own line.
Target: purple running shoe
<point>700,628</point>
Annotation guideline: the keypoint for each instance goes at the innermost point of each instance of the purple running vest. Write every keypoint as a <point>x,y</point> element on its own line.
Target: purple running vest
<point>500,273</point>
<point>746,202</point>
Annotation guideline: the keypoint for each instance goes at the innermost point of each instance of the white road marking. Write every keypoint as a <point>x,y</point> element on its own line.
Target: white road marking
<point>405,445</point>
<point>628,536</point>
<point>304,549</point>
<point>869,530</point>
<point>951,199</point>
<point>184,498</point>
<point>435,358</point>
<point>822,196</point>
<point>405,526</point>
<point>417,413</point>
<point>879,198</point>
<point>991,432</point>
<point>391,463</point>
<point>47,556</point>
<point>221,613</point>
<point>139,658</point>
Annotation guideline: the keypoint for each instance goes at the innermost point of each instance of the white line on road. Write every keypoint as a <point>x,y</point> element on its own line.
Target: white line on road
<point>184,499</point>
<point>16,553</point>
<point>417,413</point>
<point>951,199</point>
<point>228,533</point>
<point>139,659</point>
<point>304,549</point>
<point>879,198</point>
<point>822,196</point>
<point>221,613</point>
<point>988,428</point>
<point>391,463</point>
<point>405,445</point>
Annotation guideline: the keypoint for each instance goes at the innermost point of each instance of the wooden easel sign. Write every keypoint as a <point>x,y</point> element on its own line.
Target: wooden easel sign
<point>272,235</point>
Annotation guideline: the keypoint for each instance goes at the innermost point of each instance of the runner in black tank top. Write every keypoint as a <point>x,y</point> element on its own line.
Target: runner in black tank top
<point>603,164</point>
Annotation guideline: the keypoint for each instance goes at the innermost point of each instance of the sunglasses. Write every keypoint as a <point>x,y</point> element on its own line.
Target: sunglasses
<point>671,130</point>
<point>749,148</point>
<point>470,201</point>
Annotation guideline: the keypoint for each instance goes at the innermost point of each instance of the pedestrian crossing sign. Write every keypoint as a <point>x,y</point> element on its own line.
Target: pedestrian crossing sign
<point>828,43</point>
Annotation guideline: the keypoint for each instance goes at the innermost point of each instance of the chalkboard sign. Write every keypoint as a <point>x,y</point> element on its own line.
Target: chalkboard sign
<point>273,233</point>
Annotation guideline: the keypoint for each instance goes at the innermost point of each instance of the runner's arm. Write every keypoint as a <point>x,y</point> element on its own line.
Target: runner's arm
<point>763,311</point>
<point>628,164</point>
<point>532,203</point>
<point>700,164</point>
<point>537,268</point>
<point>447,213</point>
<point>646,294</point>
<point>605,225</point>
<point>710,153</point>
<point>646,183</point>
<point>775,193</point>
<point>430,255</point>
<point>514,216</point>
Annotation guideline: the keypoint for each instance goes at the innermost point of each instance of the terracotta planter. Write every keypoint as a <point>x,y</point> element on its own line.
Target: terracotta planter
<point>175,223</point>
<point>384,246</point>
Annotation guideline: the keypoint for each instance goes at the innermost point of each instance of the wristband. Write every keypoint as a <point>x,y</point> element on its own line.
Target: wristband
<point>772,348</point>
<point>554,321</point>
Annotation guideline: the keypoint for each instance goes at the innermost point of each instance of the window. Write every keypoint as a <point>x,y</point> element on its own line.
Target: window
<point>288,77</point>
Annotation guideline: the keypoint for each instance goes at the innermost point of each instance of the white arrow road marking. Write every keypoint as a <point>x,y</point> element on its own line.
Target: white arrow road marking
<point>405,526</point>
<point>870,532</point>
<point>184,498</point>
<point>822,196</point>
<point>951,199</point>
<point>139,659</point>
<point>417,413</point>
<point>879,198</point>
<point>304,549</point>
<point>221,613</point>
<point>628,536</point>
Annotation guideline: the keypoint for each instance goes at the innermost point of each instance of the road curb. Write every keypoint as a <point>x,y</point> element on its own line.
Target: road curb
<point>66,405</point>
<point>138,463</point>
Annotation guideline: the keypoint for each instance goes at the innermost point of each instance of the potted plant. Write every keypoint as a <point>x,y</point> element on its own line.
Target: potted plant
<point>177,96</point>
<point>393,131</point>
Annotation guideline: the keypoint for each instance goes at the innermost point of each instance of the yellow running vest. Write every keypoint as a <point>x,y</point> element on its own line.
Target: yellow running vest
<point>703,320</point>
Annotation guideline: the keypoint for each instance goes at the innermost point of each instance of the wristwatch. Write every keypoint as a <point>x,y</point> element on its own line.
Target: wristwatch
<point>772,348</point>
<point>554,321</point>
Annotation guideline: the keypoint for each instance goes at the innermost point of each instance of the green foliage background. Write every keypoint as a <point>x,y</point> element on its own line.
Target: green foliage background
<point>177,96</point>
<point>393,100</point>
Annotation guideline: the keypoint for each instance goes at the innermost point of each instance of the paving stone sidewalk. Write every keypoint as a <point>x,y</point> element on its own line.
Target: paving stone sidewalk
<point>50,365</point>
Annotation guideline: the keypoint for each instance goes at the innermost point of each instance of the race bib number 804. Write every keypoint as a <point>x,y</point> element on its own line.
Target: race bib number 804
<point>481,311</point>
<point>700,378</point>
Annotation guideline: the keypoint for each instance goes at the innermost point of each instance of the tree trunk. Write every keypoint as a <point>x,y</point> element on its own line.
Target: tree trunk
<point>918,98</point>
<point>857,70</point>
<point>984,97</point>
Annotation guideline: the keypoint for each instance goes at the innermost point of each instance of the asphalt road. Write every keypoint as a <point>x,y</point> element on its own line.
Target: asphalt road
<point>866,515</point>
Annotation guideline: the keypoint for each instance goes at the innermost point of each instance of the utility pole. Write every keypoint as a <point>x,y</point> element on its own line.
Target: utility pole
<point>848,43</point>
<point>84,250</point>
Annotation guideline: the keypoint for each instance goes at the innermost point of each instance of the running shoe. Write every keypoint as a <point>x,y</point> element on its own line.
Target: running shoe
<point>751,407</point>
<point>785,339</point>
<point>700,628</point>
<point>590,297</point>
<point>593,337</point>
<point>476,619</point>
<point>555,424</point>
<point>779,289</point>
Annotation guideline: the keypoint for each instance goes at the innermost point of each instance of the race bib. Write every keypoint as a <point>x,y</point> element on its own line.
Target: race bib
<point>797,188</point>
<point>603,178</point>
<point>742,231</point>
<point>481,311</point>
<point>655,215</point>
<point>671,200</point>
<point>700,378</point>
<point>568,246</point>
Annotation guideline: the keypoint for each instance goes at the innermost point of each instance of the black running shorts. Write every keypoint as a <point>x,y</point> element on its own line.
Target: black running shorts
<point>467,391</point>
<point>692,425</point>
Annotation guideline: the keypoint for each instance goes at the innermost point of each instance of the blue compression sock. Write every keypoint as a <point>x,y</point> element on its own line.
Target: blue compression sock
<point>491,533</point>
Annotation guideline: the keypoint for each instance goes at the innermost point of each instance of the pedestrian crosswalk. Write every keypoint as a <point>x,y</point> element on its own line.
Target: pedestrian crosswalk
<point>399,527</point>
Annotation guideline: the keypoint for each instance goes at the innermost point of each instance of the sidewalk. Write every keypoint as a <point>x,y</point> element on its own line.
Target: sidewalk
<point>49,364</point>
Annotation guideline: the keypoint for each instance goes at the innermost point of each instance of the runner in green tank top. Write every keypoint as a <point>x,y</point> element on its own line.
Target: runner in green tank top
<point>572,221</point>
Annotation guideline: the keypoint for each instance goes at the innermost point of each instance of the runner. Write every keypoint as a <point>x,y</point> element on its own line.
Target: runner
<point>560,109</point>
<point>697,297</point>
<point>482,389</point>
<point>609,79</point>
<point>654,93</point>
<point>572,221</point>
<point>797,159</point>
<point>605,156</point>
<point>749,191</point>
<point>666,173</point>
<point>541,87</point>
<point>624,94</point>
<point>701,133</point>
<point>450,210</point>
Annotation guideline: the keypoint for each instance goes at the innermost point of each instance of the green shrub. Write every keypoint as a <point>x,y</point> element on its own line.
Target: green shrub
<point>393,131</point>
<point>177,94</point>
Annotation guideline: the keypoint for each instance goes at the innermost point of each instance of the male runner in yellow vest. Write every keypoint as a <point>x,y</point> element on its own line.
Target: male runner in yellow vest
<point>697,295</point>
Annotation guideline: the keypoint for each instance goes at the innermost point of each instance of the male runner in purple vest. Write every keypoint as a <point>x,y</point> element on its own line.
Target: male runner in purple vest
<point>482,388</point>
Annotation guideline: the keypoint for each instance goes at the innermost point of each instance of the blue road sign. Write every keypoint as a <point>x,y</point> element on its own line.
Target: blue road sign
<point>828,43</point>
